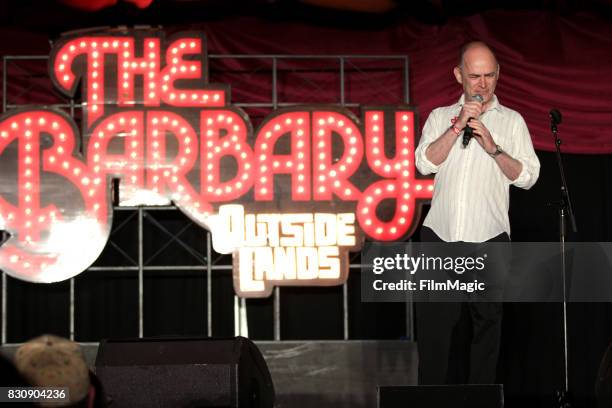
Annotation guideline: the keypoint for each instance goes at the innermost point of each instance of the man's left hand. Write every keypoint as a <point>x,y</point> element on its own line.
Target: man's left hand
<point>482,135</point>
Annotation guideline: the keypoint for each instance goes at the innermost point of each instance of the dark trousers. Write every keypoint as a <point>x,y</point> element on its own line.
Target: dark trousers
<point>458,342</point>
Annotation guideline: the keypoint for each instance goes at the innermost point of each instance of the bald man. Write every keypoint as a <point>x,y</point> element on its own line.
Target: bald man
<point>470,204</point>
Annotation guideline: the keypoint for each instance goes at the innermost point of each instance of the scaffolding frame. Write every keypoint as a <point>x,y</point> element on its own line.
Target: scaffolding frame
<point>140,264</point>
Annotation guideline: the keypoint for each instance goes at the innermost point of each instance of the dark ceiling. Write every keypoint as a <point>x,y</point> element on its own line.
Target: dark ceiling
<point>55,16</point>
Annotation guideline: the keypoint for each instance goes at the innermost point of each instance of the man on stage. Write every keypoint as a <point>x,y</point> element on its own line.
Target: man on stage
<point>470,203</point>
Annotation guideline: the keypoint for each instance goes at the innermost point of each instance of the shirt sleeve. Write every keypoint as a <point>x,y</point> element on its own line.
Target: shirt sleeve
<point>430,133</point>
<point>525,154</point>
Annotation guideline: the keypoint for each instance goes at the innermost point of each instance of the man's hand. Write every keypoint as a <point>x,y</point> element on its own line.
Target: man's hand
<point>508,165</point>
<point>483,136</point>
<point>472,109</point>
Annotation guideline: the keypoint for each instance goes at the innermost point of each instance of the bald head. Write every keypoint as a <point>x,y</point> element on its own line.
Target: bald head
<point>476,50</point>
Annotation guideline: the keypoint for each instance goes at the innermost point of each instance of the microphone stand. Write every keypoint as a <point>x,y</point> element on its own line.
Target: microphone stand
<point>565,210</point>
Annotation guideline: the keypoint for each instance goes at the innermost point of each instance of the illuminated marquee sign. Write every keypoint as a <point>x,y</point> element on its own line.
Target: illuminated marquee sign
<point>288,200</point>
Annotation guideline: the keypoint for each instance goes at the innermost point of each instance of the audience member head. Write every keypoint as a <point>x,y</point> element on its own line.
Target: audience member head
<point>51,361</point>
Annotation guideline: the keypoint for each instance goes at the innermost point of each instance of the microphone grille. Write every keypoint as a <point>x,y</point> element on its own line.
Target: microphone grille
<point>555,116</point>
<point>478,98</point>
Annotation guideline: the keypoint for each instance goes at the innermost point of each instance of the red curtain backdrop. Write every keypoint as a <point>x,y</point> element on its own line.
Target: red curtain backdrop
<point>547,61</point>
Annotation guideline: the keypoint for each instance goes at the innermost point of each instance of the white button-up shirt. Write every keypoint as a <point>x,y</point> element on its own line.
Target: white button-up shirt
<point>471,194</point>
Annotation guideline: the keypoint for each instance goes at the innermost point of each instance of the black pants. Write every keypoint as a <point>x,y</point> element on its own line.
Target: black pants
<point>458,342</point>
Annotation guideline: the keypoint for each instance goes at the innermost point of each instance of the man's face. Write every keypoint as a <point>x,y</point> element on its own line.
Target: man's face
<point>479,73</point>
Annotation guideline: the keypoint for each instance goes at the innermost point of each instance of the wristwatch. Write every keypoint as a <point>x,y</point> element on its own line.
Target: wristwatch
<point>497,152</point>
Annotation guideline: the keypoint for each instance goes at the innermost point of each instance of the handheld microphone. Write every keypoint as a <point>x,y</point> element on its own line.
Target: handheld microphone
<point>468,132</point>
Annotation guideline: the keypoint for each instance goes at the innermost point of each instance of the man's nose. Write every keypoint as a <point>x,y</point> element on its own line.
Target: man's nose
<point>482,82</point>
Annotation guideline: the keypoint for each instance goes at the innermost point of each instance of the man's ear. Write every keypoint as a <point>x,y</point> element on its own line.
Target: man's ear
<point>458,76</point>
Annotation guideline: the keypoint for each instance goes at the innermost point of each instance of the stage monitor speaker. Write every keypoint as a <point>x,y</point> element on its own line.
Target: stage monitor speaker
<point>442,396</point>
<point>184,372</point>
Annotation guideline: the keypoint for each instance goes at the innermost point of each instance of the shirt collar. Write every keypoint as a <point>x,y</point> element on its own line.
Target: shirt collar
<point>495,105</point>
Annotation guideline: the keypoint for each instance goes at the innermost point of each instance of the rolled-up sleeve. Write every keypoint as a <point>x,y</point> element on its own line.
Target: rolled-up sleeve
<point>525,154</point>
<point>430,134</point>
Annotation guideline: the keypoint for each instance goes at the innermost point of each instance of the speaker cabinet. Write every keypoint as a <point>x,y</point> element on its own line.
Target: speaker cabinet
<point>184,372</point>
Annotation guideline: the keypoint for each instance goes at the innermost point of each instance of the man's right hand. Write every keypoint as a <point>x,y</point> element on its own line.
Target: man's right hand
<point>471,109</point>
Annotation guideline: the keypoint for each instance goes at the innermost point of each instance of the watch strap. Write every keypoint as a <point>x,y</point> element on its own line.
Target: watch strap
<point>497,152</point>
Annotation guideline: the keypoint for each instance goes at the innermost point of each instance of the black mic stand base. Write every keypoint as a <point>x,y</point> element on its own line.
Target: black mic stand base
<point>562,399</point>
